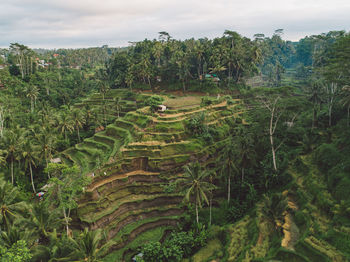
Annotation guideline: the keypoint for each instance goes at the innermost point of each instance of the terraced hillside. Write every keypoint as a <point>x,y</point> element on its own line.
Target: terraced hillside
<point>137,155</point>
<point>308,234</point>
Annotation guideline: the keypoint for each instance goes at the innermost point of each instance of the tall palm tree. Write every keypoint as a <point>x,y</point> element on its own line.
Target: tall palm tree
<point>65,124</point>
<point>315,98</point>
<point>228,158</point>
<point>193,181</point>
<point>42,220</point>
<point>30,156</point>
<point>273,209</point>
<point>117,105</point>
<point>10,207</point>
<point>87,245</point>
<point>78,120</point>
<point>12,142</point>
<point>58,249</point>
<point>45,143</point>
<point>32,92</point>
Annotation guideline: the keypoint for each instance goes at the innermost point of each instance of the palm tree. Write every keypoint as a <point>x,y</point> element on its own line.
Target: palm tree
<point>29,154</point>
<point>10,207</point>
<point>65,124</point>
<point>228,158</point>
<point>12,235</point>
<point>104,87</point>
<point>32,92</point>
<point>78,120</point>
<point>117,105</point>
<point>58,249</point>
<point>42,220</point>
<point>193,181</point>
<point>87,245</point>
<point>273,209</point>
<point>12,142</point>
<point>315,98</point>
<point>45,143</point>
<point>244,148</point>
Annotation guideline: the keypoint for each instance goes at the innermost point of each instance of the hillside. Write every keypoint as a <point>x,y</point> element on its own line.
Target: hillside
<point>140,153</point>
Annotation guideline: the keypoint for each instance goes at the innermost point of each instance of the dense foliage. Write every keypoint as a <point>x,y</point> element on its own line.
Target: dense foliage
<point>291,149</point>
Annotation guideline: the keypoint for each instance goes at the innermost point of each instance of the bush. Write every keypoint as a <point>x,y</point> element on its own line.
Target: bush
<point>154,101</point>
<point>326,156</point>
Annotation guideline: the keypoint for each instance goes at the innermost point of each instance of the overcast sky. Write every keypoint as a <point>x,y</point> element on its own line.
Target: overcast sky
<point>86,23</point>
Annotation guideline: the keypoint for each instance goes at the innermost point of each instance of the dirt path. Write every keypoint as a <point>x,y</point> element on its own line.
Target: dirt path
<point>290,229</point>
<point>195,111</point>
<point>110,179</point>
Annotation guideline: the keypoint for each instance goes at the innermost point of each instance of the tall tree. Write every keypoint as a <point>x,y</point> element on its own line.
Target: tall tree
<point>194,182</point>
<point>228,158</point>
<point>29,154</point>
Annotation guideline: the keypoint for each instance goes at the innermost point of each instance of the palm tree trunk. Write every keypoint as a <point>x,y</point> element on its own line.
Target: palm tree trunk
<point>31,105</point>
<point>229,189</point>
<point>242,174</point>
<point>78,134</point>
<point>197,219</point>
<point>210,204</point>
<point>31,177</point>
<point>66,221</point>
<point>12,177</point>
<point>348,114</point>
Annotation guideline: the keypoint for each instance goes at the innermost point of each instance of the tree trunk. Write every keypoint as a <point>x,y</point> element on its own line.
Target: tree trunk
<point>78,134</point>
<point>31,105</point>
<point>183,85</point>
<point>12,177</point>
<point>31,177</point>
<point>229,189</point>
<point>348,114</point>
<point>210,204</point>
<point>149,82</point>
<point>314,124</point>
<point>330,115</point>
<point>197,219</point>
<point>273,153</point>
<point>242,174</point>
<point>66,220</point>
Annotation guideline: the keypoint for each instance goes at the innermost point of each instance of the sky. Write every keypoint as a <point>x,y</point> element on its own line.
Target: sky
<point>89,23</point>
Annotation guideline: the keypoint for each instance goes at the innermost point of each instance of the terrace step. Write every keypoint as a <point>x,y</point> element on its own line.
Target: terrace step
<point>110,179</point>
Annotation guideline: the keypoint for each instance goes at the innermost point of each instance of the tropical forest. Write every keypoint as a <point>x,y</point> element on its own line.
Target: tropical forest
<point>194,150</point>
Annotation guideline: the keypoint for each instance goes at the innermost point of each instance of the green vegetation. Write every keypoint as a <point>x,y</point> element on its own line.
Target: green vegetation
<point>240,166</point>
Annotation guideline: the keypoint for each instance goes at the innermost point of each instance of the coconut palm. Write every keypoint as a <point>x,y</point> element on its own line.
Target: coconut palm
<point>78,120</point>
<point>117,105</point>
<point>193,181</point>
<point>315,98</point>
<point>58,249</point>
<point>228,159</point>
<point>45,143</point>
<point>12,235</point>
<point>30,157</point>
<point>10,207</point>
<point>42,220</point>
<point>32,92</point>
<point>65,124</point>
<point>273,209</point>
<point>12,143</point>
<point>87,245</point>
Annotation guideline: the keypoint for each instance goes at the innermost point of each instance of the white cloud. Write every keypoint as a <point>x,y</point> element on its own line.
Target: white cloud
<point>82,23</point>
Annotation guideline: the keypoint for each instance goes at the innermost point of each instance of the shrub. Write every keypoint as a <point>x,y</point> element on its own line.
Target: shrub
<point>154,101</point>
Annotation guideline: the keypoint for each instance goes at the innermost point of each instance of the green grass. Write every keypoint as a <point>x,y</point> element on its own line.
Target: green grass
<point>207,253</point>
<point>151,235</point>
